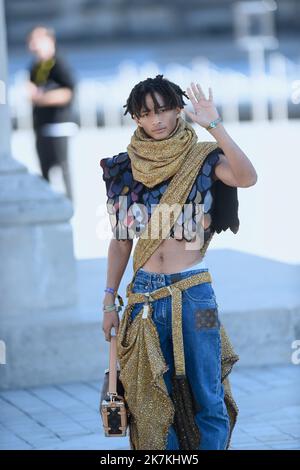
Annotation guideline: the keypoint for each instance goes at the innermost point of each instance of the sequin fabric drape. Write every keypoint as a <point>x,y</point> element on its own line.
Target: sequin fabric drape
<point>141,360</point>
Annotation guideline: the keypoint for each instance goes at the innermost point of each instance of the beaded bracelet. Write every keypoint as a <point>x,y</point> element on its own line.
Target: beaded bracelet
<point>111,290</point>
<point>112,307</point>
<point>109,308</point>
<point>214,123</point>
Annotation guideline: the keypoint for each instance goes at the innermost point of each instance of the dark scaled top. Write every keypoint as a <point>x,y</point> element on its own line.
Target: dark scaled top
<point>130,213</point>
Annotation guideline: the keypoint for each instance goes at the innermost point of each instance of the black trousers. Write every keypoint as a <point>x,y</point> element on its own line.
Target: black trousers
<point>54,151</point>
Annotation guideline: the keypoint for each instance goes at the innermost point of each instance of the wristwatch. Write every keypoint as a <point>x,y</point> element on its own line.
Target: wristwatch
<point>214,123</point>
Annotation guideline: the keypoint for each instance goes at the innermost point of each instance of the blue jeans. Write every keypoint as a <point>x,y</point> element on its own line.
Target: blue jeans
<point>202,349</point>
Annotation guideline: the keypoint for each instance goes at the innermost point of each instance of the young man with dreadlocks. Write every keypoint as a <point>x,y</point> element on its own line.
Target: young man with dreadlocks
<point>174,353</point>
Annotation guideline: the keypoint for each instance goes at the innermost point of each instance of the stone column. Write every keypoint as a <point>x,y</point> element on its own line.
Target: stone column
<point>37,268</point>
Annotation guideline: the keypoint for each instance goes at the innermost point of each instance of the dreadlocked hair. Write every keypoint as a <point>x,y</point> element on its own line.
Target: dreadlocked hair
<point>172,94</point>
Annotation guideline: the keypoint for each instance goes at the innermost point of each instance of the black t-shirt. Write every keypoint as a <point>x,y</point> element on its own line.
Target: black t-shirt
<point>50,75</point>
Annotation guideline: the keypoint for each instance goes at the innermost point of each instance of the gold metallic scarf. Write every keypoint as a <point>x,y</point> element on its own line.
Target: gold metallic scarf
<point>153,161</point>
<point>142,364</point>
<point>148,169</point>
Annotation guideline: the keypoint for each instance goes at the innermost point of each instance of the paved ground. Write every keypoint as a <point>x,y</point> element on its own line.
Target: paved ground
<point>66,416</point>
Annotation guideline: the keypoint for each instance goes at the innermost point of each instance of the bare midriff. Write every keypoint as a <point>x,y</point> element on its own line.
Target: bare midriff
<point>174,255</point>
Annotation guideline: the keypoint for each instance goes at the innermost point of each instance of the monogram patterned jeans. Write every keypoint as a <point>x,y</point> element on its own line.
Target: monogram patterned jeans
<point>202,349</point>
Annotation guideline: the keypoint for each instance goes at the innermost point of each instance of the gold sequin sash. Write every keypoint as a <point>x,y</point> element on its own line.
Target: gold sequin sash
<point>143,365</point>
<point>175,290</point>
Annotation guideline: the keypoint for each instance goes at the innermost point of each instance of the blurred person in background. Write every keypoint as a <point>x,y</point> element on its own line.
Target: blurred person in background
<point>51,91</point>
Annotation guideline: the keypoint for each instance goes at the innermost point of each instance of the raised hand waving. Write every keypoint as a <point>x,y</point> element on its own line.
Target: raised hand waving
<point>204,109</point>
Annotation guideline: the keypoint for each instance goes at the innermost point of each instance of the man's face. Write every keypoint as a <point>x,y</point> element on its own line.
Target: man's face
<point>157,125</point>
<point>41,44</point>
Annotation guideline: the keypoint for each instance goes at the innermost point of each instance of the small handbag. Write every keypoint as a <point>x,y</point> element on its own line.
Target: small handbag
<point>113,408</point>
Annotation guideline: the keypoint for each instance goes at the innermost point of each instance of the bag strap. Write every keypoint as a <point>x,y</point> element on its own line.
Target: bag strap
<point>112,384</point>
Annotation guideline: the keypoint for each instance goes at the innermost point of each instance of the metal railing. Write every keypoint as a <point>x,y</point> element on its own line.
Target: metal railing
<point>239,97</point>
